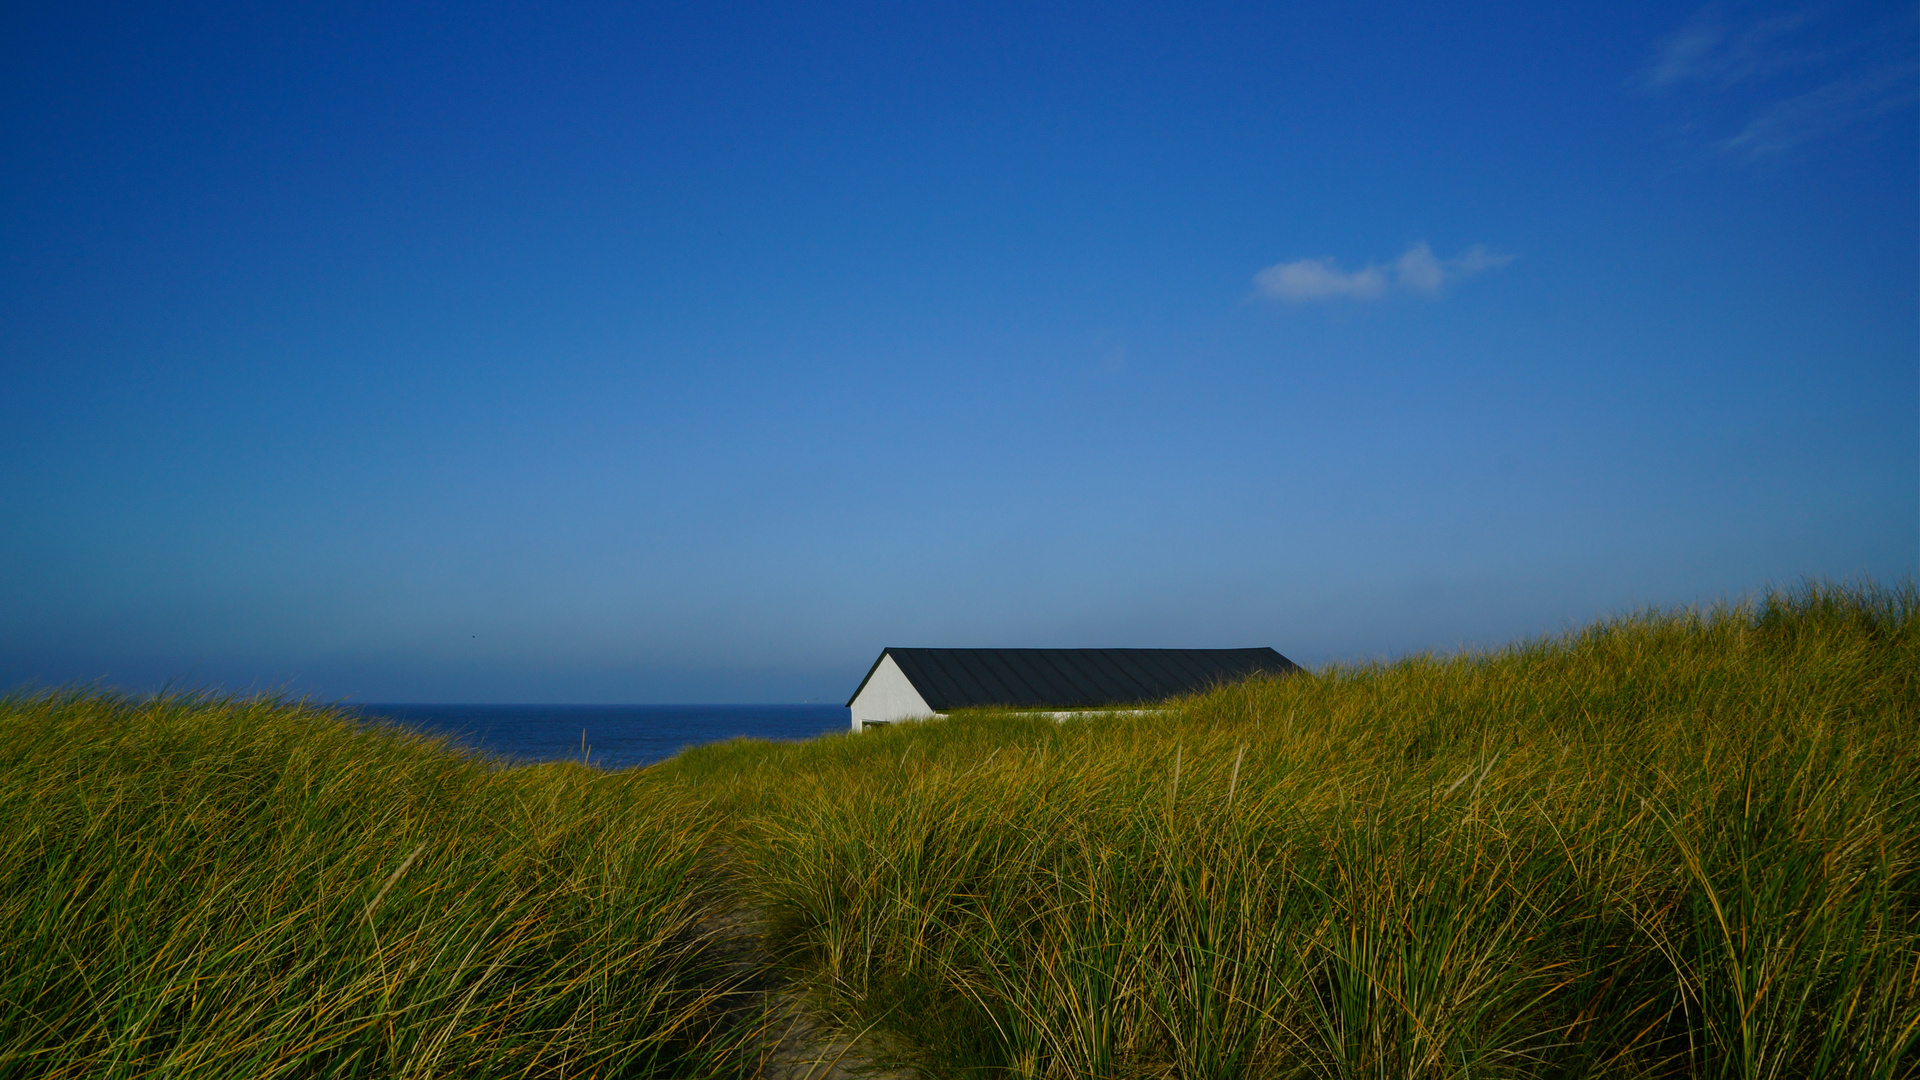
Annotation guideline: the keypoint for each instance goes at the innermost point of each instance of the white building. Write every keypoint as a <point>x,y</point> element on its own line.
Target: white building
<point>918,684</point>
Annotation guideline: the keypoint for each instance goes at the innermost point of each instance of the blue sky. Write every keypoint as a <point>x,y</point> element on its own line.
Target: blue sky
<point>576,353</point>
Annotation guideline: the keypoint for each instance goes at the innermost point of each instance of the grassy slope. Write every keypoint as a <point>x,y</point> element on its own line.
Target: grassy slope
<point>1671,844</point>
<point>1676,844</point>
<point>196,887</point>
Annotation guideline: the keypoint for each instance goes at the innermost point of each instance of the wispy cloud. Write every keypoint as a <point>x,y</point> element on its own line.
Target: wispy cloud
<point>1416,270</point>
<point>1319,279</point>
<point>1778,79</point>
<point>1709,48</point>
<point>1840,104</point>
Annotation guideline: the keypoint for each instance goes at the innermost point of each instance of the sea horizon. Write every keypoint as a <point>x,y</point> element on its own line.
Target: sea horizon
<point>610,736</point>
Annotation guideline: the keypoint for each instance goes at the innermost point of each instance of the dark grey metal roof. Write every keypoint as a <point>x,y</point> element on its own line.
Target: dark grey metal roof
<point>1071,678</point>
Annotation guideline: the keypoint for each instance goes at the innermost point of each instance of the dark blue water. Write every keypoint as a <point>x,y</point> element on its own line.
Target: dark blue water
<point>615,736</point>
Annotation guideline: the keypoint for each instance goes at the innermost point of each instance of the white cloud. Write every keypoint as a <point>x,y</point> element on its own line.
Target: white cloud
<point>1781,79</point>
<point>1319,279</point>
<point>1416,270</point>
<point>1477,259</point>
<point>1420,271</point>
<point>1684,54</point>
<point>1707,49</point>
<point>1837,105</point>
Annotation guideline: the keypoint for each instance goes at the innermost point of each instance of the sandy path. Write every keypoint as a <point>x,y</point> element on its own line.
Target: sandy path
<point>797,1042</point>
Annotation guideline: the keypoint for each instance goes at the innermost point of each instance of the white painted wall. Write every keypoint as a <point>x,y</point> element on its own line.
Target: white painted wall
<point>888,697</point>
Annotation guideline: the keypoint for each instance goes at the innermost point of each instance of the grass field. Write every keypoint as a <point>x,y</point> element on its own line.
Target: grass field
<point>1672,844</point>
<point>193,887</point>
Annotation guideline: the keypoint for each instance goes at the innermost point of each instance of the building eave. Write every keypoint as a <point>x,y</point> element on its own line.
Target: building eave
<point>868,678</point>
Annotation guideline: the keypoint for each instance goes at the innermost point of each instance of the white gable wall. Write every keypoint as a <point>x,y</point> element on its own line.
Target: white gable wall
<point>888,697</point>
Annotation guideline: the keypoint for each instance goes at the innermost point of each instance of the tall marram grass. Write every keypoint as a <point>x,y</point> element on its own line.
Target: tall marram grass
<point>193,887</point>
<point>1676,844</point>
<point>1673,844</point>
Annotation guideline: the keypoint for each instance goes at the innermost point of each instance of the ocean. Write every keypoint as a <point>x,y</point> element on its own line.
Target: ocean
<point>613,736</point>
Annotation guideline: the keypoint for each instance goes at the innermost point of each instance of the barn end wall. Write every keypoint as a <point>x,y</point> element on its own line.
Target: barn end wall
<point>888,697</point>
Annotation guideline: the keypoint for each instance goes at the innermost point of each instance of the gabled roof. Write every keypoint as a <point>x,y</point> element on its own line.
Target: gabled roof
<point>1071,678</point>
